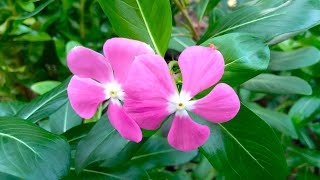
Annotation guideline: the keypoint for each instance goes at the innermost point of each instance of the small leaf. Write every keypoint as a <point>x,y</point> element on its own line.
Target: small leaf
<point>300,58</point>
<point>304,108</point>
<point>269,83</point>
<point>311,157</point>
<point>180,39</point>
<point>144,20</point>
<point>30,152</point>
<point>205,6</point>
<point>34,36</point>
<point>43,106</point>
<point>44,86</point>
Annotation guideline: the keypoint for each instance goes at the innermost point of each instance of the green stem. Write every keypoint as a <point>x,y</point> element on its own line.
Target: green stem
<point>82,28</point>
<point>12,8</point>
<point>187,17</point>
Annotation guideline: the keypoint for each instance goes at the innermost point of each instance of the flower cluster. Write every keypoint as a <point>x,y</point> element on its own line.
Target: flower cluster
<point>142,92</point>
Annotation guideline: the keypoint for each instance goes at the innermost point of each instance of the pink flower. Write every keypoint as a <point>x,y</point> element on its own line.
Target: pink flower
<point>95,81</point>
<point>151,95</point>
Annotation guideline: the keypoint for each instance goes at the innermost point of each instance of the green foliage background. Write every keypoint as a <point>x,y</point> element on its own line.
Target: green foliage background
<point>271,52</point>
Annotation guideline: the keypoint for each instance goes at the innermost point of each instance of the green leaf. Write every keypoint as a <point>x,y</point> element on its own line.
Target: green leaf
<point>312,70</point>
<point>34,36</point>
<point>156,152</point>
<point>306,156</point>
<point>265,19</point>
<point>204,170</point>
<point>204,6</point>
<point>36,10</point>
<point>10,108</point>
<point>244,148</point>
<point>280,121</point>
<point>64,119</point>
<point>304,108</point>
<point>144,20</point>
<point>30,152</point>
<point>300,58</point>
<point>26,5</point>
<point>103,145</point>
<point>245,56</point>
<point>180,39</point>
<point>269,83</point>
<point>43,106</point>
<point>44,86</point>
<point>168,175</point>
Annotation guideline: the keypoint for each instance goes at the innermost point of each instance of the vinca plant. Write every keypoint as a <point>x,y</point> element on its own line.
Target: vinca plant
<point>160,89</point>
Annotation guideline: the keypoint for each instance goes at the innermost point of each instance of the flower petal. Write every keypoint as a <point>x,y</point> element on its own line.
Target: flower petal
<point>120,52</point>
<point>125,125</point>
<point>85,96</point>
<point>201,67</point>
<point>187,135</point>
<point>220,105</point>
<point>148,88</point>
<point>87,63</point>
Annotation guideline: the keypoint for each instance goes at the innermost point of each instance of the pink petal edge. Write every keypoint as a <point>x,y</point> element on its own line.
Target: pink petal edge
<point>220,105</point>
<point>148,87</point>
<point>126,126</point>
<point>201,68</point>
<point>86,63</point>
<point>187,135</point>
<point>85,95</point>
<point>121,52</point>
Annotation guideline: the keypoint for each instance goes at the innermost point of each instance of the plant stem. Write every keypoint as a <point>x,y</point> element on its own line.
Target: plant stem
<point>187,17</point>
<point>12,8</point>
<point>82,28</point>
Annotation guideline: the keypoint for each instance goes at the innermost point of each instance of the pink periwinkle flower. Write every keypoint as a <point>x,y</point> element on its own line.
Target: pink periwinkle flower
<point>151,95</point>
<point>98,78</point>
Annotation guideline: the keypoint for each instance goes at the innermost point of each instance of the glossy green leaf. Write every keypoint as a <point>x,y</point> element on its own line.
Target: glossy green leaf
<point>105,145</point>
<point>156,152</point>
<point>280,121</point>
<point>44,86</point>
<point>144,20</point>
<point>10,108</point>
<point>43,106</point>
<point>304,108</point>
<point>244,148</point>
<point>64,119</point>
<point>245,56</point>
<point>30,152</point>
<point>204,6</point>
<point>180,39</point>
<point>265,18</point>
<point>269,83</point>
<point>300,58</point>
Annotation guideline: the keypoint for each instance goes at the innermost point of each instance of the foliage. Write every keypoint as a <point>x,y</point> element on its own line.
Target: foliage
<point>271,52</point>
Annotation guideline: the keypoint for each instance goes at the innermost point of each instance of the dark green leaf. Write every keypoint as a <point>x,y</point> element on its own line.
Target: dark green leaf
<point>268,18</point>
<point>36,10</point>
<point>156,152</point>
<point>245,56</point>
<point>43,106</point>
<point>306,156</point>
<point>244,148</point>
<point>105,145</point>
<point>312,70</point>
<point>64,119</point>
<point>167,175</point>
<point>269,83</point>
<point>144,20</point>
<point>10,108</point>
<point>294,59</point>
<point>29,152</point>
<point>280,121</point>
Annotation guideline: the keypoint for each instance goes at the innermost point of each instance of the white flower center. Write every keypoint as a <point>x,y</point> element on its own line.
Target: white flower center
<point>114,91</point>
<point>179,103</point>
